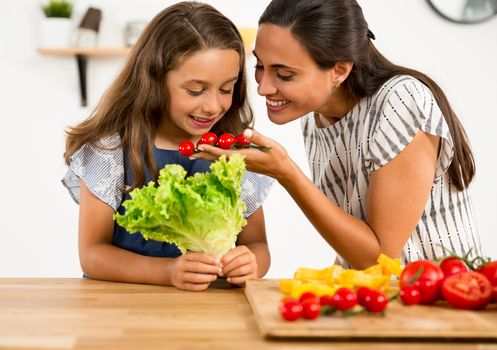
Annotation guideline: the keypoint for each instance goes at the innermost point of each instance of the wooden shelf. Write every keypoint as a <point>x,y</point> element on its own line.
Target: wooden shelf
<point>89,52</point>
<point>82,55</point>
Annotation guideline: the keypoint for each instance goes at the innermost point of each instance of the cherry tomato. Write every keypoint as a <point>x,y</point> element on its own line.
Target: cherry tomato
<point>489,270</point>
<point>312,309</point>
<point>308,295</point>
<point>209,138</point>
<point>186,148</point>
<point>452,266</point>
<point>241,140</point>
<point>429,281</point>
<point>291,309</point>
<point>468,290</point>
<point>326,300</point>
<point>494,293</point>
<point>375,301</point>
<point>344,299</point>
<point>410,295</point>
<point>362,293</point>
<point>225,141</point>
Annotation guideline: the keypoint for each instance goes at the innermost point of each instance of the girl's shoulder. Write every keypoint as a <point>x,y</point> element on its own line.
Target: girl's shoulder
<point>101,166</point>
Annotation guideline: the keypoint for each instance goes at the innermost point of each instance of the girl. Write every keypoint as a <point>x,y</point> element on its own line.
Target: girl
<point>390,161</point>
<point>184,77</point>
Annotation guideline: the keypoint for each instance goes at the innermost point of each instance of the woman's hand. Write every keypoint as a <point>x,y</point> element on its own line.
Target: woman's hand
<point>194,271</point>
<point>239,265</point>
<point>273,162</point>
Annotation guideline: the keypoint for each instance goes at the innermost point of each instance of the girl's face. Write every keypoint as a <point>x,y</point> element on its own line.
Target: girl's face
<point>200,91</point>
<point>288,77</point>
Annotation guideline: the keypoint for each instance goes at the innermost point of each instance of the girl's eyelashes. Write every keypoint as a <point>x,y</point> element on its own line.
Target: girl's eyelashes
<point>194,92</point>
<point>226,92</point>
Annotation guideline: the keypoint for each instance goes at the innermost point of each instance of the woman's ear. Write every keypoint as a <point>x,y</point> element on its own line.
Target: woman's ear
<point>340,71</point>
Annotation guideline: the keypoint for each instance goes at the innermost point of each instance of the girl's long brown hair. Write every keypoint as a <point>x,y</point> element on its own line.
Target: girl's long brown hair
<point>335,30</point>
<point>137,101</point>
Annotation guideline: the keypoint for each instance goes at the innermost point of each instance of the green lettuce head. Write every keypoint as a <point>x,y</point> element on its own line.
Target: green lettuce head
<point>200,213</point>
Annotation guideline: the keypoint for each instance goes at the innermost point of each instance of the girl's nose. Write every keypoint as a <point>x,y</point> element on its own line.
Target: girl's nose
<point>212,105</point>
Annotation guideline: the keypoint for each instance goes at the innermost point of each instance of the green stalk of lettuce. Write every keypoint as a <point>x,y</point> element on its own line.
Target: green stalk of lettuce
<point>201,213</point>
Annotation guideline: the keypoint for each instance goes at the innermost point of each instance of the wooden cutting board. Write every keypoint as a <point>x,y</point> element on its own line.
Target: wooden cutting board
<point>434,322</point>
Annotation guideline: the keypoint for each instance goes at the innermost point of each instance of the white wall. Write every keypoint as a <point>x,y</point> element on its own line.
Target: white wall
<point>39,98</point>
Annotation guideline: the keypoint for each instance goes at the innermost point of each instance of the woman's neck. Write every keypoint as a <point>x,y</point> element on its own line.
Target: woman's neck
<point>336,108</point>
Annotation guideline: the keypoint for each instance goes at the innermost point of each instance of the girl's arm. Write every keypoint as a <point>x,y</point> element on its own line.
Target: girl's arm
<point>250,259</point>
<point>100,259</point>
<point>397,196</point>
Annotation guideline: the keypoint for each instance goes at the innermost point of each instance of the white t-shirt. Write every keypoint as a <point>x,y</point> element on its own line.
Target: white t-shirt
<point>343,156</point>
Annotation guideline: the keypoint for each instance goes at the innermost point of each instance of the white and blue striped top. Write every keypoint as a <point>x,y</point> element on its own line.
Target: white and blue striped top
<point>343,156</point>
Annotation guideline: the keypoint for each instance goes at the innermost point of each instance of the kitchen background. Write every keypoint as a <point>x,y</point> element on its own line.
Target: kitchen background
<point>39,98</point>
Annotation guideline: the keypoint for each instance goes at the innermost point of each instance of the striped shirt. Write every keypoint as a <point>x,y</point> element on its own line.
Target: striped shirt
<point>343,156</point>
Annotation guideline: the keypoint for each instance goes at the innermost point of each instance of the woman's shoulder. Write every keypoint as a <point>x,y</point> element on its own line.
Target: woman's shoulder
<point>401,84</point>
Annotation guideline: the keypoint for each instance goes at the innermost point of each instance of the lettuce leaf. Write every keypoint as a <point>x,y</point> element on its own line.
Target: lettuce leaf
<point>201,213</point>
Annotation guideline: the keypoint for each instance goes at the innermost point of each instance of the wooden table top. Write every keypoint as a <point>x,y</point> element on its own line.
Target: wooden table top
<point>88,314</point>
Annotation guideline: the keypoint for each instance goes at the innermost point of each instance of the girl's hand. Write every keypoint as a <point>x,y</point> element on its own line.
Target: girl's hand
<point>273,162</point>
<point>239,265</point>
<point>194,271</point>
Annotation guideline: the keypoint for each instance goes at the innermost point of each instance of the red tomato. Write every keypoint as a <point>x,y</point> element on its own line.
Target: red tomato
<point>326,300</point>
<point>308,295</point>
<point>312,309</point>
<point>225,141</point>
<point>291,309</point>
<point>375,301</point>
<point>186,148</point>
<point>467,290</point>
<point>241,140</point>
<point>209,138</point>
<point>362,293</point>
<point>344,299</point>
<point>452,266</point>
<point>490,272</point>
<point>410,295</point>
<point>429,281</point>
<point>494,293</point>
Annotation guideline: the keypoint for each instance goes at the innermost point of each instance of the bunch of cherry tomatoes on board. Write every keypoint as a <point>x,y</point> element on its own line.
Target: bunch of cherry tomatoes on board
<point>310,306</point>
<point>225,141</point>
<point>455,279</point>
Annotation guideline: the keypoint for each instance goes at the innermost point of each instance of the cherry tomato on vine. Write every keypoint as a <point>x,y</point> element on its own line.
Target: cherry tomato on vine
<point>452,266</point>
<point>308,295</point>
<point>410,295</point>
<point>186,148</point>
<point>344,299</point>
<point>468,290</point>
<point>291,309</point>
<point>326,300</point>
<point>312,308</point>
<point>241,140</point>
<point>225,141</point>
<point>362,293</point>
<point>429,281</point>
<point>209,138</point>
<point>375,301</point>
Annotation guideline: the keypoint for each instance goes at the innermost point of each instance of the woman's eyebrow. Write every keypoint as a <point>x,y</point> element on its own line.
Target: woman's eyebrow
<point>276,65</point>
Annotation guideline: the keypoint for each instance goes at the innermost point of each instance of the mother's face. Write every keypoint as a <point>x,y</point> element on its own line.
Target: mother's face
<point>291,81</point>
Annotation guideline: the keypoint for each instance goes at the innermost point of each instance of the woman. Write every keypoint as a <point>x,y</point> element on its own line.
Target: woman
<point>390,161</point>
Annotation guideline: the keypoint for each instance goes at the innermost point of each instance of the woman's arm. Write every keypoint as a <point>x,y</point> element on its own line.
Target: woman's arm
<point>397,196</point>
<point>251,258</point>
<point>101,260</point>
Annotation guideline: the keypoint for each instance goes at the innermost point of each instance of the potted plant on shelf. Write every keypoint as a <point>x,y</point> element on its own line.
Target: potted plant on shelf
<point>56,27</point>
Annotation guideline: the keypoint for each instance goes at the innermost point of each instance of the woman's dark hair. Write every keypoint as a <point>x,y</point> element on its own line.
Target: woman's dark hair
<point>334,31</point>
<point>137,101</point>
